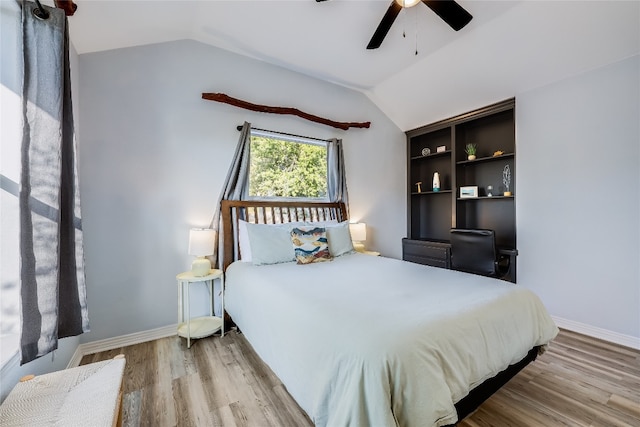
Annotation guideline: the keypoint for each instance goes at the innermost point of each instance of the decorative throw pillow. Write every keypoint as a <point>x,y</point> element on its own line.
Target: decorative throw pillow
<point>310,244</point>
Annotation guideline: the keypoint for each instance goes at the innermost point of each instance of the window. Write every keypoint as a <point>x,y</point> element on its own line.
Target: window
<point>10,139</point>
<point>282,166</point>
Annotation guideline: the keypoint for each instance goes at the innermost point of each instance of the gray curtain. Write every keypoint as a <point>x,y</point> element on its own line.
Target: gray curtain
<point>236,185</point>
<point>336,174</point>
<point>53,295</point>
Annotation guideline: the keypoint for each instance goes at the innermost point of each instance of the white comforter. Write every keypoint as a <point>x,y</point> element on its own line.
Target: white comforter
<point>371,341</point>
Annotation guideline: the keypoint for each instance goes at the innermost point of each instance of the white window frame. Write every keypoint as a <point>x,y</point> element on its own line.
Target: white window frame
<point>290,138</point>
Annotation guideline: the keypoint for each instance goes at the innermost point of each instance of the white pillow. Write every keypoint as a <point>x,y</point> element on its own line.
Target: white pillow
<point>243,241</point>
<point>339,238</point>
<point>268,243</point>
<point>327,223</point>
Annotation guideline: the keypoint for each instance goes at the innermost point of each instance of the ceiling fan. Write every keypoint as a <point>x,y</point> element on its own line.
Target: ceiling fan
<point>450,12</point>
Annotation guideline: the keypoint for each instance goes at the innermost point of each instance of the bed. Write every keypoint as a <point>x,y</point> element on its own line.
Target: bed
<point>372,341</point>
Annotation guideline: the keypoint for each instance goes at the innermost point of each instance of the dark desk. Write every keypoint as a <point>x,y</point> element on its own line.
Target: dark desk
<point>438,254</point>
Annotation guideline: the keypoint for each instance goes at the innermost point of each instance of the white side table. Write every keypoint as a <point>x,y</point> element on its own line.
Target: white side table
<point>198,327</point>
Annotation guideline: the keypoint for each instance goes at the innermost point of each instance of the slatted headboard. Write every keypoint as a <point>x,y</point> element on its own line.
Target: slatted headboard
<point>262,212</point>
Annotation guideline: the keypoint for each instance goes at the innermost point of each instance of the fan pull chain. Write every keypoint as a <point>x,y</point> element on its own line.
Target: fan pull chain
<point>404,19</point>
<point>416,15</point>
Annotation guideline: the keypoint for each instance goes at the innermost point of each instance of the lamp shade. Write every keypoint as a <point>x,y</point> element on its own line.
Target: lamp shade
<point>358,231</point>
<point>201,241</point>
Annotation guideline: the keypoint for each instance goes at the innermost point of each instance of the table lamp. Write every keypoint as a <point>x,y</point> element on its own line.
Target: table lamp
<point>358,232</point>
<point>201,244</point>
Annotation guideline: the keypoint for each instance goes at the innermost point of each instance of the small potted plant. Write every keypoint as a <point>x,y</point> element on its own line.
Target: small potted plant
<point>470,149</point>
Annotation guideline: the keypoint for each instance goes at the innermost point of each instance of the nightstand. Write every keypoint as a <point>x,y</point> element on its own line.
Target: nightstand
<point>203,326</point>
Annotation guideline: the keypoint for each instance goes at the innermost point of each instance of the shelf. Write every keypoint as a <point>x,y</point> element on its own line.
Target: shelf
<point>431,217</point>
<point>430,192</point>
<point>444,153</point>
<point>486,159</point>
<point>200,327</point>
<point>484,197</point>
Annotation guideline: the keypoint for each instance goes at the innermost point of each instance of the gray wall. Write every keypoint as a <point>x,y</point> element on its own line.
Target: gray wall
<point>154,155</point>
<point>578,196</point>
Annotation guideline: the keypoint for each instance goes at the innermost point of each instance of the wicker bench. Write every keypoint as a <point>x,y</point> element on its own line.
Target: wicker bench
<point>88,395</point>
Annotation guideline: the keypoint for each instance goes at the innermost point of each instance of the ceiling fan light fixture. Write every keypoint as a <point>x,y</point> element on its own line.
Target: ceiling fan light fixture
<point>448,10</point>
<point>407,3</point>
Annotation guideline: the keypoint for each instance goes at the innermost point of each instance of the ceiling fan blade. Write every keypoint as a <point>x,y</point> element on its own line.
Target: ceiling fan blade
<point>385,25</point>
<point>450,12</point>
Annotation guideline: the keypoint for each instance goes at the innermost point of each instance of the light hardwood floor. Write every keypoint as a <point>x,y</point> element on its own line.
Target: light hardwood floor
<point>579,381</point>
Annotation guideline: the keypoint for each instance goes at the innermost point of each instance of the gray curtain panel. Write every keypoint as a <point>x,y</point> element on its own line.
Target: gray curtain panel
<point>336,174</point>
<point>53,293</point>
<point>236,184</point>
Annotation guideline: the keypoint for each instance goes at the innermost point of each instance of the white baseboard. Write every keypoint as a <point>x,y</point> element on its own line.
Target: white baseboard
<point>121,341</point>
<point>595,332</point>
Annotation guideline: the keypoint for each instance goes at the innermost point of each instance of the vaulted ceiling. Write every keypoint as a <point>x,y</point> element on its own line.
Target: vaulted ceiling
<point>508,47</point>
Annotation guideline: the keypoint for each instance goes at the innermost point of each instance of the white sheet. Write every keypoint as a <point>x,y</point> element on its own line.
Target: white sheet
<point>372,341</point>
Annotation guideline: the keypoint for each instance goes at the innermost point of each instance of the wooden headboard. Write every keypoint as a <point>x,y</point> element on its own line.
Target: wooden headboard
<point>262,212</point>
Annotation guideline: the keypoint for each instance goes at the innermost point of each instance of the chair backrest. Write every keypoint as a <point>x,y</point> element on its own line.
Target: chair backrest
<point>473,251</point>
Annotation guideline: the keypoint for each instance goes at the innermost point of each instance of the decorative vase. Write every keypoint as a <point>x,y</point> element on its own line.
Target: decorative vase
<point>471,157</point>
<point>436,181</point>
<point>506,180</point>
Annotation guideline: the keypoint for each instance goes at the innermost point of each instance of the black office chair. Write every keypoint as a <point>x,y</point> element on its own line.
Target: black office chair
<point>474,251</point>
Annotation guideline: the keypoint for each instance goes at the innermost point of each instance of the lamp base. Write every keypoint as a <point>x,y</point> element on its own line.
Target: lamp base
<point>358,246</point>
<point>200,266</point>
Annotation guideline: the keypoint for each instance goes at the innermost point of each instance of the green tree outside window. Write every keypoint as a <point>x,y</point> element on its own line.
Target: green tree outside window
<point>280,168</point>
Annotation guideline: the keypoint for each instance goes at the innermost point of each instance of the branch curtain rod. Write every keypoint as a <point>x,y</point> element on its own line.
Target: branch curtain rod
<point>239,127</point>
<point>226,99</point>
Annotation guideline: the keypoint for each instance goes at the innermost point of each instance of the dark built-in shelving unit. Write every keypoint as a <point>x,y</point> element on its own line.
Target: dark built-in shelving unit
<point>431,214</point>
